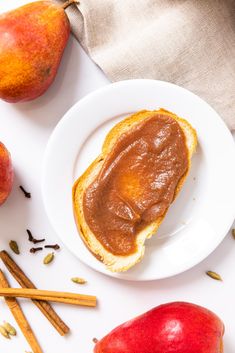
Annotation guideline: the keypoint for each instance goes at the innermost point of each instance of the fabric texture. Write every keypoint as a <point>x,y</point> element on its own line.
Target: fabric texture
<point>188,42</point>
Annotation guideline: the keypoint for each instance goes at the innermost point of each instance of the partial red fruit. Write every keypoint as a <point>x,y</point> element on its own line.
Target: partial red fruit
<point>6,173</point>
<point>170,328</point>
<point>32,41</point>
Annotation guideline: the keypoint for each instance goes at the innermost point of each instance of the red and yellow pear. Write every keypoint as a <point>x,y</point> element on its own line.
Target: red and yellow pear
<point>32,41</point>
<point>6,173</point>
<point>170,328</point>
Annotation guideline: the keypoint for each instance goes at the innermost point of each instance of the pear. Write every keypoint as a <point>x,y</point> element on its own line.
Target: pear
<point>176,327</point>
<point>6,173</point>
<point>32,41</point>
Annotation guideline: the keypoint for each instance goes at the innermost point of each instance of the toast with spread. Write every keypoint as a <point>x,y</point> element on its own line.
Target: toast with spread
<point>123,196</point>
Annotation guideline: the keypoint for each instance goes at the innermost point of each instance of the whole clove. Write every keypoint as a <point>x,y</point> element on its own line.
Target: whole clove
<point>55,247</point>
<point>34,250</point>
<point>26,193</point>
<point>32,239</point>
<point>36,241</point>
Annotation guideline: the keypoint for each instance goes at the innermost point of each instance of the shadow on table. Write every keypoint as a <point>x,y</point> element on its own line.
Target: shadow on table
<point>228,346</point>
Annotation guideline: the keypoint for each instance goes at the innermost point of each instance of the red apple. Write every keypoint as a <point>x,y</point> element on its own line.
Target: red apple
<point>6,173</point>
<point>170,328</point>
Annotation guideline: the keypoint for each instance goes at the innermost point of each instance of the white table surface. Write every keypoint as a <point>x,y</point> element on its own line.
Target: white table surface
<point>25,129</point>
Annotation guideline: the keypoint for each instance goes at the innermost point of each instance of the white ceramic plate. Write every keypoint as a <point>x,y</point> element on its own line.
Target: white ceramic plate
<point>204,210</point>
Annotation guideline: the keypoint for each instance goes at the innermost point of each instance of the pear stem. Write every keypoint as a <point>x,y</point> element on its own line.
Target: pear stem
<point>68,3</point>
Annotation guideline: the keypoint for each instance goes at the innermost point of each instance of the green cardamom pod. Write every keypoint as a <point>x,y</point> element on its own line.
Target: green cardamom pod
<point>9,328</point>
<point>4,332</point>
<point>14,247</point>
<point>214,275</point>
<point>48,259</point>
<point>78,280</point>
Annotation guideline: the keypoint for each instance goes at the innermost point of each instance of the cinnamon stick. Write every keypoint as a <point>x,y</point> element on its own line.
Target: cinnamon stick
<point>60,297</point>
<point>25,282</point>
<point>20,318</point>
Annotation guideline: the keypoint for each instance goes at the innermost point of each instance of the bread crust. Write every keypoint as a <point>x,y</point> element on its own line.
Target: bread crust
<point>113,262</point>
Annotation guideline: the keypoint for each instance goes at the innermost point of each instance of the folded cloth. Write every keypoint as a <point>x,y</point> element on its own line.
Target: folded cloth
<point>187,42</point>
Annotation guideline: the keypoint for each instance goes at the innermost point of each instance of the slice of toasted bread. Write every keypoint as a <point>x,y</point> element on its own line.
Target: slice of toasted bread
<point>113,262</point>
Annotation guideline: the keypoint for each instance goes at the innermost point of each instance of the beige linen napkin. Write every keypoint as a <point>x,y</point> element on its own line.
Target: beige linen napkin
<point>187,42</point>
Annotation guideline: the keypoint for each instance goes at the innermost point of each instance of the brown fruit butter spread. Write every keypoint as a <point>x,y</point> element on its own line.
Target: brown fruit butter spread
<point>136,183</point>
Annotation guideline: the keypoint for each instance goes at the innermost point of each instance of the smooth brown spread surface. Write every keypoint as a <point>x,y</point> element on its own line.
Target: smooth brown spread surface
<point>137,182</point>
